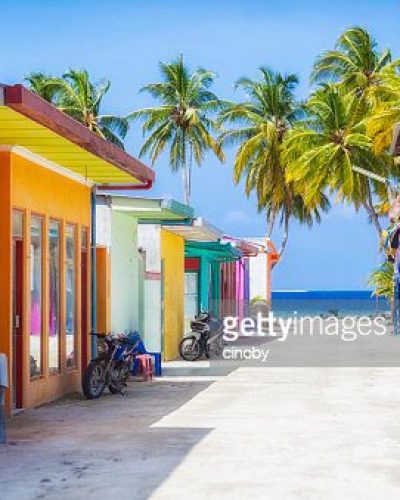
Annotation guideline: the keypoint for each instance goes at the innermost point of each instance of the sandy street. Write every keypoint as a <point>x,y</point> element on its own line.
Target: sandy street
<point>255,433</point>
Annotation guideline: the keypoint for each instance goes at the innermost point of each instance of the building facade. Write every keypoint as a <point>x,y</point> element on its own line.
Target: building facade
<point>50,165</point>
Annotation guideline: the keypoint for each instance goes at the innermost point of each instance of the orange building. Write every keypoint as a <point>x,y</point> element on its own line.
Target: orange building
<point>50,166</point>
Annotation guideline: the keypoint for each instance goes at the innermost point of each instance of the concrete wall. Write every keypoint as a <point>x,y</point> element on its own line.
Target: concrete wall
<point>117,231</point>
<point>125,312</point>
<point>149,240</point>
<point>258,272</point>
<point>172,254</point>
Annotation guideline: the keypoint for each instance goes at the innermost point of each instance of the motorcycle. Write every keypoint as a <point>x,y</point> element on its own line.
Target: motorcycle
<point>112,366</point>
<point>205,338</point>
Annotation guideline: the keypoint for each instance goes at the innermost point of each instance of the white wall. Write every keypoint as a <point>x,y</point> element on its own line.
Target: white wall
<point>258,271</point>
<point>103,225</point>
<point>125,313</point>
<point>149,239</point>
<point>118,232</point>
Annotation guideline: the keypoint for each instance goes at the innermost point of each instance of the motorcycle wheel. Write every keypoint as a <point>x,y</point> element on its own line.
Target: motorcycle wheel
<point>189,349</point>
<point>219,348</point>
<point>93,380</point>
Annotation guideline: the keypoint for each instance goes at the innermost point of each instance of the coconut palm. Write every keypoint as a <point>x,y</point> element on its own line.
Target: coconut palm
<point>322,150</point>
<point>382,280</point>
<point>385,113</point>
<point>261,124</point>
<point>44,85</point>
<point>355,63</point>
<point>77,96</point>
<point>183,121</point>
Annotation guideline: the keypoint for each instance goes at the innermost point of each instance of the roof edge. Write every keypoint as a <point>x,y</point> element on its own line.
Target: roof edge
<point>25,102</point>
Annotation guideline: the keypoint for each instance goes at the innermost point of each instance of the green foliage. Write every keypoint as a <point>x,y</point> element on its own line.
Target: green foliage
<point>260,125</point>
<point>256,299</point>
<point>382,280</point>
<point>355,63</point>
<point>77,96</point>
<point>184,119</point>
<point>322,149</point>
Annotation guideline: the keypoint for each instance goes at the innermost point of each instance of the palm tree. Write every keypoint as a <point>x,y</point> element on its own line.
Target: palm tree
<point>44,85</point>
<point>382,280</point>
<point>355,63</point>
<point>184,119</point>
<point>262,123</point>
<point>322,150</point>
<point>77,96</point>
<point>385,112</point>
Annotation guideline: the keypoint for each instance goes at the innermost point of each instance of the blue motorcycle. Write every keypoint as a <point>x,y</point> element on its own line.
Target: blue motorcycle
<point>112,367</point>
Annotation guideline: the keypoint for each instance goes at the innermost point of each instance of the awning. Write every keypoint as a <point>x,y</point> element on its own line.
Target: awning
<point>30,122</point>
<point>148,210</point>
<point>199,230</point>
<point>214,250</point>
<point>247,248</point>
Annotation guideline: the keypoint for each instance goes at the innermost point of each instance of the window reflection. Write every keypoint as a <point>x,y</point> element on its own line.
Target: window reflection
<point>35,337</point>
<point>70,283</point>
<point>54,296</point>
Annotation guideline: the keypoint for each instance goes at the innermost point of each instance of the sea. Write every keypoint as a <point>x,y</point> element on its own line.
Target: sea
<point>327,303</point>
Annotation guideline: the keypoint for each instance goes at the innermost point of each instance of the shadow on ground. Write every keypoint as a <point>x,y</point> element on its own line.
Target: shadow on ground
<point>75,448</point>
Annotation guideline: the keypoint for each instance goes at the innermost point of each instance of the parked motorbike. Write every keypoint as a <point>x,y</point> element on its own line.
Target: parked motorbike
<point>112,366</point>
<point>205,338</point>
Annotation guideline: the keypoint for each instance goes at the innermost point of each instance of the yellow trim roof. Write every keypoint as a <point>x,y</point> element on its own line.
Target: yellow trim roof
<point>18,130</point>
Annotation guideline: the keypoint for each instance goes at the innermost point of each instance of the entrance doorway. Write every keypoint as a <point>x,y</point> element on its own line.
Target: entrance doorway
<point>17,295</point>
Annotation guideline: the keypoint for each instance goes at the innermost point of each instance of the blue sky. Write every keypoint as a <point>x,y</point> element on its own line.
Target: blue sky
<point>124,40</point>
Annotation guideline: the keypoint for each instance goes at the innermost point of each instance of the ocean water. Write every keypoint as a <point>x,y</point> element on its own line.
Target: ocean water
<point>327,302</point>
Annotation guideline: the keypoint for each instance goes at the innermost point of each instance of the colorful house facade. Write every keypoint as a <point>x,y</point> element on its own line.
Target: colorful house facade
<point>261,267</point>
<point>50,166</point>
<point>235,279</point>
<point>141,278</point>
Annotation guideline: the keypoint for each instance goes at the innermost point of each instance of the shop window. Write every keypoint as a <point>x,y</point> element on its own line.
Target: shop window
<point>35,337</point>
<point>70,299</point>
<point>54,296</point>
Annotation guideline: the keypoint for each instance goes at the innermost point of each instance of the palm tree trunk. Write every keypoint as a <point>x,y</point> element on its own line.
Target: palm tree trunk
<point>185,183</point>
<point>285,234</point>
<point>368,204</point>
<point>270,223</point>
<point>185,171</point>
<point>190,172</point>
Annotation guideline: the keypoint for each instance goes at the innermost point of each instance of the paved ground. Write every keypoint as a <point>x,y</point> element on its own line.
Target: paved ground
<point>313,433</point>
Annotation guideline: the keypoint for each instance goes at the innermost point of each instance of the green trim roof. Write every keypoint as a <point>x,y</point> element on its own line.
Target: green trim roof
<point>198,230</point>
<point>148,210</point>
<point>214,250</point>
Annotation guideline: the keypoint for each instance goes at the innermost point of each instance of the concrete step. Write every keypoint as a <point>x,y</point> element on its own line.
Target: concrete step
<point>195,368</point>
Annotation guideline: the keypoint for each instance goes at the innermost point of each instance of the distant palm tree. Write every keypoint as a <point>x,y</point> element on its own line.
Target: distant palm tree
<point>43,85</point>
<point>355,63</point>
<point>322,150</point>
<point>77,96</point>
<point>261,124</point>
<point>382,280</point>
<point>183,120</point>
